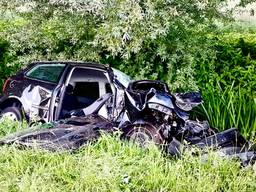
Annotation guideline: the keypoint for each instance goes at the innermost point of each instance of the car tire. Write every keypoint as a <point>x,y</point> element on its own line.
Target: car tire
<point>14,113</point>
<point>143,134</point>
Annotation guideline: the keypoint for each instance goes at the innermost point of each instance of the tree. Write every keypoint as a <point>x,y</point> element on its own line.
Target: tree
<point>165,38</point>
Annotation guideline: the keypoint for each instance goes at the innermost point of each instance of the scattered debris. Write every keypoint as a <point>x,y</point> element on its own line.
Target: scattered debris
<point>68,134</point>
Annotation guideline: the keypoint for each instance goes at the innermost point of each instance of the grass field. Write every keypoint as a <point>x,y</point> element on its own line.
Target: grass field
<point>113,165</point>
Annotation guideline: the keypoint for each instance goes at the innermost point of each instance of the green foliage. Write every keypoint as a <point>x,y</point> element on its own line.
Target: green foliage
<point>160,36</point>
<point>167,39</point>
<point>8,126</point>
<point>177,41</point>
<point>228,82</point>
<point>45,33</point>
<point>226,108</point>
<point>234,64</point>
<point>5,59</point>
<point>114,165</point>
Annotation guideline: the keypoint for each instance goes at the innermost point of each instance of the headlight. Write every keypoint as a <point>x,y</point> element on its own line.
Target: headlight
<point>160,108</point>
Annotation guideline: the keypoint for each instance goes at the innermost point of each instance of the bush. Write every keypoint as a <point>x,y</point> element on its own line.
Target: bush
<point>234,65</point>
<point>160,37</point>
<point>228,83</point>
<point>5,59</point>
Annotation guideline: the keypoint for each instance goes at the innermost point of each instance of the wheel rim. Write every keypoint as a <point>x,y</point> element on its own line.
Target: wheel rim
<point>10,115</point>
<point>141,135</point>
<point>140,138</point>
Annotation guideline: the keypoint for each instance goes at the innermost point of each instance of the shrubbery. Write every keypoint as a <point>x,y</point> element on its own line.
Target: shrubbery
<point>234,64</point>
<point>228,82</point>
<point>162,37</point>
<point>5,59</point>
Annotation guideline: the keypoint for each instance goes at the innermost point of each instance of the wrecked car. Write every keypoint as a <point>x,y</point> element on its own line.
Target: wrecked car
<point>93,98</point>
<point>48,91</point>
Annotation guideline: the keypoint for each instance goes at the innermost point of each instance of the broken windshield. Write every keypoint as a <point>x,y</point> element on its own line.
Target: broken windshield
<point>122,77</point>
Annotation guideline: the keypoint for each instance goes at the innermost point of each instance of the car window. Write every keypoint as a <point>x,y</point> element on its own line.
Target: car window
<point>46,72</point>
<point>122,77</point>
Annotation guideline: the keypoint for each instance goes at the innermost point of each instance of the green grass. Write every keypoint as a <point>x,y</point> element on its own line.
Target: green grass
<point>229,108</point>
<point>113,165</point>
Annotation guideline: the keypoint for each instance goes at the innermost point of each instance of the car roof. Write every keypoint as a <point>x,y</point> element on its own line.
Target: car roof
<point>74,63</point>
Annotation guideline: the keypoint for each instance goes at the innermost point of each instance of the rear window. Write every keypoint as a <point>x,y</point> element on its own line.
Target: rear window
<point>46,72</point>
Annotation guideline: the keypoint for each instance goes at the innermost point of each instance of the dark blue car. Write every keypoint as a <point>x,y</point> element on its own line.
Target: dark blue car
<point>48,91</point>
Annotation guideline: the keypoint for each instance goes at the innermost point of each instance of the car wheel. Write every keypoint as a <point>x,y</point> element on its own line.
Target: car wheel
<point>143,134</point>
<point>13,113</point>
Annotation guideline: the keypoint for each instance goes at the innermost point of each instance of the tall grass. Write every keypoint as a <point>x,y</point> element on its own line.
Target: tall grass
<point>114,165</point>
<point>8,126</point>
<point>230,108</point>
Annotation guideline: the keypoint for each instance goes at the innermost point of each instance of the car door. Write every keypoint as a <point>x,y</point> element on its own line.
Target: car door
<point>39,84</point>
<point>88,85</point>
